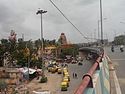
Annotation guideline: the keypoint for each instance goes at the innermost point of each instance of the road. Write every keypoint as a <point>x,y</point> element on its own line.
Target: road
<point>118,60</point>
<point>54,80</point>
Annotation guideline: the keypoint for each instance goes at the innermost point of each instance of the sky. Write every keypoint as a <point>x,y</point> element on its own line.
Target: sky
<point>20,16</point>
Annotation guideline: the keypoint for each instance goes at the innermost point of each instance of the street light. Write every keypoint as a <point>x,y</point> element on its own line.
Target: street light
<point>98,31</point>
<point>99,28</point>
<point>41,12</point>
<point>101,22</point>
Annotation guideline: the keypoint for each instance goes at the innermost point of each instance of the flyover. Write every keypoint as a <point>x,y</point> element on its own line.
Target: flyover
<point>101,78</point>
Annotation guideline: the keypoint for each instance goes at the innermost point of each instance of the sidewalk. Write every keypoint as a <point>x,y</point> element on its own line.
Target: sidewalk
<point>112,81</point>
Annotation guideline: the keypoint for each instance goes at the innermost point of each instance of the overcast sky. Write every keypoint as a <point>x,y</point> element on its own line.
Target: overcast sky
<point>20,16</point>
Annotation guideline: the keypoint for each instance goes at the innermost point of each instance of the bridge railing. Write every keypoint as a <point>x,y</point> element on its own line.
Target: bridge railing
<point>96,80</point>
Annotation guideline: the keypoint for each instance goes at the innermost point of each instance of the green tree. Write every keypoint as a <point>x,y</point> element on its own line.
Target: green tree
<point>5,45</point>
<point>3,85</point>
<point>119,40</point>
<point>73,51</point>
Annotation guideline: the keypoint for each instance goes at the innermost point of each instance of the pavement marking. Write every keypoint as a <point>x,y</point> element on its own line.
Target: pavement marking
<point>117,86</point>
<point>119,59</point>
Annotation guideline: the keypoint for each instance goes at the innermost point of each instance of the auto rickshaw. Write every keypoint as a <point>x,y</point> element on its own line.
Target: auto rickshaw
<point>66,80</point>
<point>53,70</point>
<point>59,70</point>
<point>64,86</point>
<point>49,69</point>
<point>67,76</point>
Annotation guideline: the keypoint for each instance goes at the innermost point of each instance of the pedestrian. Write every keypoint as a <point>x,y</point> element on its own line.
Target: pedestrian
<point>112,48</point>
<point>75,75</point>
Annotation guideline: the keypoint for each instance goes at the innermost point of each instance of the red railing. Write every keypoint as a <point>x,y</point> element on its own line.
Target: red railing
<point>87,78</point>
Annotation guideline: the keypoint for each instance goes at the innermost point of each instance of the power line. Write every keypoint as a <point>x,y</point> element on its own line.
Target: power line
<point>68,20</point>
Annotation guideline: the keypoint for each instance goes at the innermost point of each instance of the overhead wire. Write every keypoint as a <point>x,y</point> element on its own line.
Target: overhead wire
<point>68,19</point>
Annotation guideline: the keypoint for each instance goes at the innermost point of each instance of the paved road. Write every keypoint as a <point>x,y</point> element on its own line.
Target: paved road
<point>80,70</point>
<point>118,59</point>
<point>54,80</point>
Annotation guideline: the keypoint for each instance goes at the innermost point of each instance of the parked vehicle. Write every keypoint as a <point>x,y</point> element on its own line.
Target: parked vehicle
<point>59,70</point>
<point>74,61</point>
<point>66,80</point>
<point>64,86</point>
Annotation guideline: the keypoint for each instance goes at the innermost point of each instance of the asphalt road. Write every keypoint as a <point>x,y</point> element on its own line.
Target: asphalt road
<point>80,70</point>
<point>54,80</point>
<point>118,60</point>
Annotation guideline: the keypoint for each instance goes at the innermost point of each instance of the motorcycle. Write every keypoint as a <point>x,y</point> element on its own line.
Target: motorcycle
<point>121,49</point>
<point>112,50</point>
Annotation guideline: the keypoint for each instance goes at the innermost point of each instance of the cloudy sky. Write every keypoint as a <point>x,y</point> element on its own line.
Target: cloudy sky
<point>20,16</point>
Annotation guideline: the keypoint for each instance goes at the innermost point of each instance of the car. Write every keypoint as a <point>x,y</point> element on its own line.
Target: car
<point>73,61</point>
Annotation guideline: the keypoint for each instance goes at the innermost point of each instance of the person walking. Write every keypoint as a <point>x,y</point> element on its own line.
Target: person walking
<point>75,75</point>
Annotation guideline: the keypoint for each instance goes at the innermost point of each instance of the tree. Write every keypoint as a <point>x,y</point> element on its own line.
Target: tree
<point>119,40</point>
<point>73,51</point>
<point>3,86</point>
<point>5,45</point>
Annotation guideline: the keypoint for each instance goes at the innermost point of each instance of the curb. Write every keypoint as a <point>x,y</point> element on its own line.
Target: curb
<point>114,84</point>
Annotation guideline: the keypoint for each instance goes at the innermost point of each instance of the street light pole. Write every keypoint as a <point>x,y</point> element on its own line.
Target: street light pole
<point>98,31</point>
<point>41,12</point>
<point>101,22</point>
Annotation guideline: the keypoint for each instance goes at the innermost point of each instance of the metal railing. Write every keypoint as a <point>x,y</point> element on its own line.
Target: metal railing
<point>87,78</point>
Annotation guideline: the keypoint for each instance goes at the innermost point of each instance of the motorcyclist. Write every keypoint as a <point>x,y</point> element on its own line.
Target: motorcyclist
<point>121,48</point>
<point>112,48</point>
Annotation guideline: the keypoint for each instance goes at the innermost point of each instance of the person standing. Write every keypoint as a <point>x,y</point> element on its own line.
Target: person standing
<point>75,74</point>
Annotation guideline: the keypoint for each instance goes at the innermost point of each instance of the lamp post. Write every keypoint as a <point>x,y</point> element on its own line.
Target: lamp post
<point>101,22</point>
<point>98,31</point>
<point>41,12</point>
<point>99,28</point>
